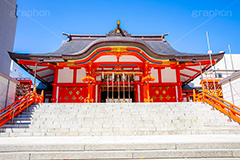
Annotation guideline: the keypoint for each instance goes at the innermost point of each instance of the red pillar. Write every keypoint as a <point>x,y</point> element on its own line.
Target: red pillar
<point>74,75</point>
<point>99,93</point>
<point>179,85</point>
<point>142,97</point>
<point>187,97</point>
<point>136,92</point>
<point>54,92</point>
<point>159,75</point>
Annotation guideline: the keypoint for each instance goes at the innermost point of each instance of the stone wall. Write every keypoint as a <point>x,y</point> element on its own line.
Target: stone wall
<point>7,90</point>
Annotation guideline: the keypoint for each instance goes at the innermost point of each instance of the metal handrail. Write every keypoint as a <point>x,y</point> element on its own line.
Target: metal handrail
<point>18,106</point>
<point>231,110</point>
<point>17,102</point>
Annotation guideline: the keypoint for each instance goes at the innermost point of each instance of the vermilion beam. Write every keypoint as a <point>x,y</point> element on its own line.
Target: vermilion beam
<point>46,75</point>
<point>42,69</point>
<point>185,75</point>
<point>192,69</point>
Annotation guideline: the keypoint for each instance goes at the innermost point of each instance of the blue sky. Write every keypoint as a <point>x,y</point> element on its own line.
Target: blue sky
<point>41,22</point>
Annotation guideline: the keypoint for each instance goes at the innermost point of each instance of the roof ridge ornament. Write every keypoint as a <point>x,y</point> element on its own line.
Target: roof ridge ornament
<point>118,26</point>
<point>118,31</point>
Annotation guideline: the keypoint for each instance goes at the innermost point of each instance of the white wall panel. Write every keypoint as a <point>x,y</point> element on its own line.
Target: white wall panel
<point>136,78</point>
<point>129,59</point>
<point>154,73</point>
<point>196,67</point>
<point>98,78</point>
<point>235,58</point>
<point>136,69</point>
<point>188,72</point>
<point>168,75</point>
<point>110,58</point>
<point>80,74</point>
<point>11,93</point>
<point>227,94</point>
<point>3,90</point>
<point>3,80</point>
<point>183,78</point>
<point>65,75</point>
<point>236,91</point>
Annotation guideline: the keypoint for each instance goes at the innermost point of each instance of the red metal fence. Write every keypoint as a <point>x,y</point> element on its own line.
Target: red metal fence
<point>18,106</point>
<point>232,111</point>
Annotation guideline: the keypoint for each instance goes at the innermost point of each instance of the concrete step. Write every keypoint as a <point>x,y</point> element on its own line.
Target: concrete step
<point>83,155</point>
<point>18,123</point>
<point>21,119</point>
<point>23,116</point>
<point>16,126</point>
<point>138,147</point>
<point>26,113</point>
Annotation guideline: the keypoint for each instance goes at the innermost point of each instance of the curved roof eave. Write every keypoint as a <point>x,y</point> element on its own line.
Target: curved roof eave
<point>80,49</point>
<point>33,57</point>
<point>165,52</point>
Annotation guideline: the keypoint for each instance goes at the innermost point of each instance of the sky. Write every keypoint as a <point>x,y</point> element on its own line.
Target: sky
<point>41,22</point>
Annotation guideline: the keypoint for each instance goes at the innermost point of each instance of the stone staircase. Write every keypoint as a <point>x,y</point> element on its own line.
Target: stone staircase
<point>132,119</point>
<point>173,131</point>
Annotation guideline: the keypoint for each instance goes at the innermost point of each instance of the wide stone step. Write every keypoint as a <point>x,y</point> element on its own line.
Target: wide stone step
<point>133,147</point>
<point>57,132</point>
<point>120,147</point>
<point>83,155</point>
<point>76,155</point>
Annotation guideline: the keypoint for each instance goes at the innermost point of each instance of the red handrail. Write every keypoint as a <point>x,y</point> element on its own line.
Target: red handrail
<point>18,106</point>
<point>232,111</point>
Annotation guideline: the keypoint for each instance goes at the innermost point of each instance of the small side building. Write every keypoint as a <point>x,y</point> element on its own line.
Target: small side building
<point>24,87</point>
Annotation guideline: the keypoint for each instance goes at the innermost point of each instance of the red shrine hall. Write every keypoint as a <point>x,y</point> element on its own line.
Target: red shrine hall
<point>115,68</point>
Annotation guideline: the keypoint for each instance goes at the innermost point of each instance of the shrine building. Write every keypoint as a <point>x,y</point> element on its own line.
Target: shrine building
<point>116,67</point>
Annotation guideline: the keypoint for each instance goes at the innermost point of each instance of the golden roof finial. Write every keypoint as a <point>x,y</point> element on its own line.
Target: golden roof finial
<point>118,23</point>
